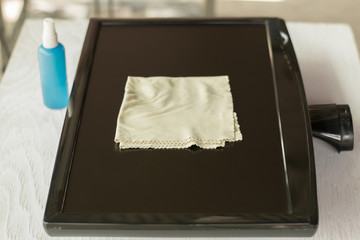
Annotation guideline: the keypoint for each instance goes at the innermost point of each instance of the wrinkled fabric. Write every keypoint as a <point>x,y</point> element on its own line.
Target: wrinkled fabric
<point>177,112</point>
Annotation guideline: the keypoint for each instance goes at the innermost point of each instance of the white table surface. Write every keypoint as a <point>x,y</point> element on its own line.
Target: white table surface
<point>29,132</point>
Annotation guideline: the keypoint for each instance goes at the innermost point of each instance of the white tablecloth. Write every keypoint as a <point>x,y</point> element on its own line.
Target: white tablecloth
<point>29,132</point>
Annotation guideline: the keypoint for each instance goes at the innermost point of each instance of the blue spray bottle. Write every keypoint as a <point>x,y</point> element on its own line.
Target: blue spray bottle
<point>52,68</point>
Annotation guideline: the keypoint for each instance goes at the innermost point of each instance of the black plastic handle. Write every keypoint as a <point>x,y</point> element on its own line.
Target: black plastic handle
<point>333,124</point>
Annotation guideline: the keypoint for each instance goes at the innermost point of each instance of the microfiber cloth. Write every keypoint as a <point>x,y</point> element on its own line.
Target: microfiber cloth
<point>177,112</point>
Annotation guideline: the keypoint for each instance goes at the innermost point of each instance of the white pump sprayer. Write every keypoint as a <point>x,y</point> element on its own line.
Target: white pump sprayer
<point>49,36</point>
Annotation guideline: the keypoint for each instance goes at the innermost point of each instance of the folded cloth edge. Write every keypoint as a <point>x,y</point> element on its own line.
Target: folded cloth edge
<point>185,143</point>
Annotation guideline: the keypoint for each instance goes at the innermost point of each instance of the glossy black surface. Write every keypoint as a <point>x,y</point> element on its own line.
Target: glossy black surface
<point>264,185</point>
<point>333,124</point>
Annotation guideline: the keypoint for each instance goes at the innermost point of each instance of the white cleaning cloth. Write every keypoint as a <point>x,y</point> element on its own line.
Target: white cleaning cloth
<point>177,112</point>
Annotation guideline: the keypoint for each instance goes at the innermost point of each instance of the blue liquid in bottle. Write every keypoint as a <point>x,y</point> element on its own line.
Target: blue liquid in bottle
<point>51,55</point>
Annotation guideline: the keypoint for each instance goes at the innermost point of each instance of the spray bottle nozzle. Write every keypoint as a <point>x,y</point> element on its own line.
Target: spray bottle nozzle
<point>49,34</point>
